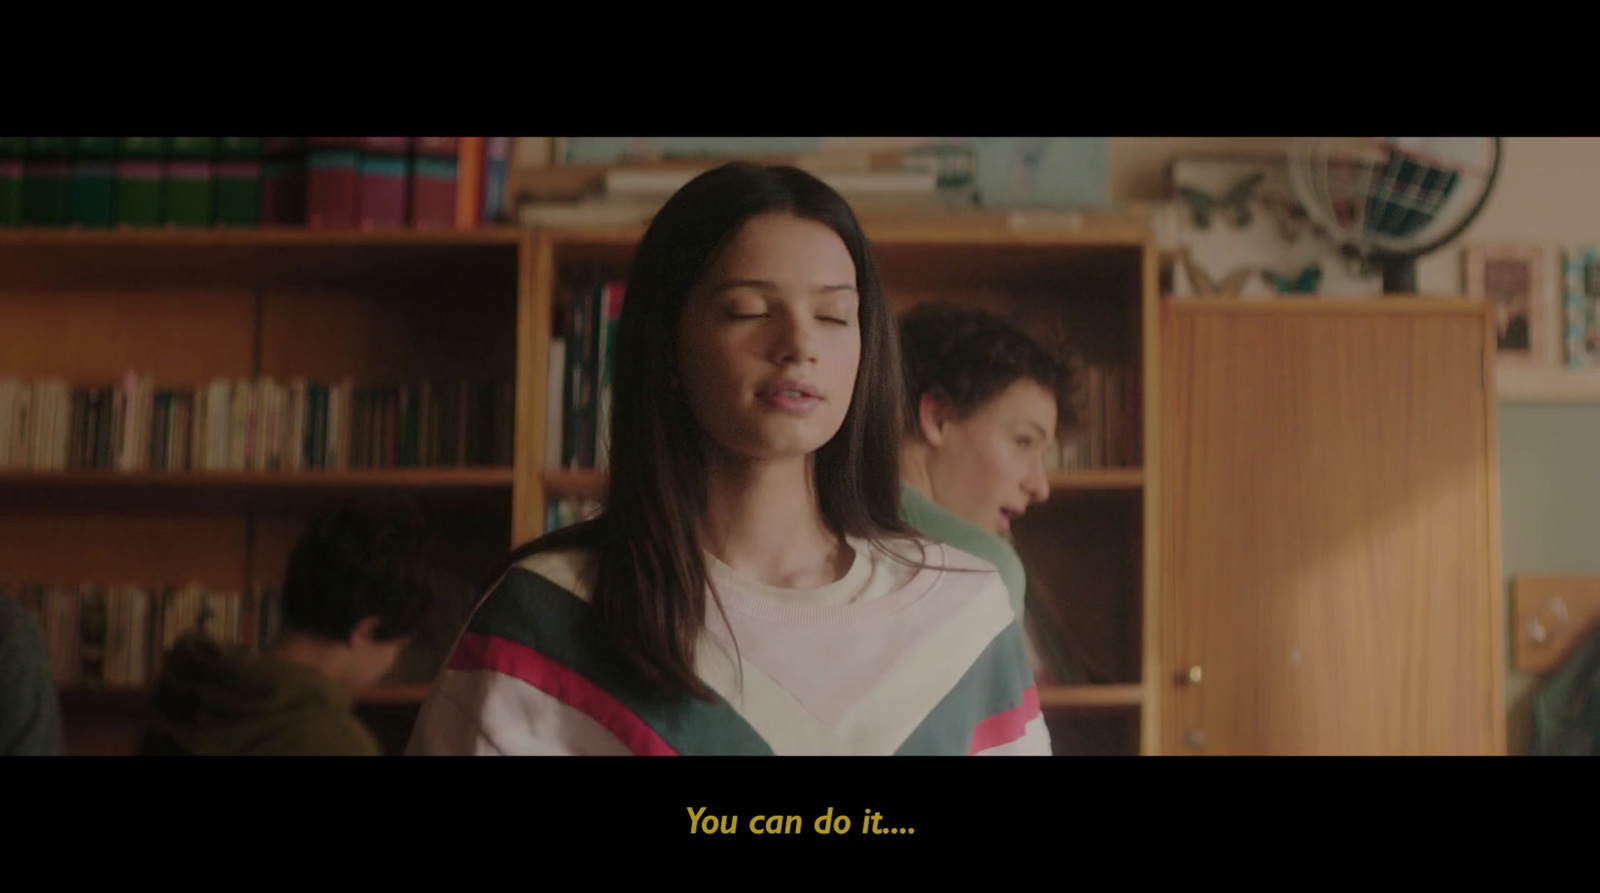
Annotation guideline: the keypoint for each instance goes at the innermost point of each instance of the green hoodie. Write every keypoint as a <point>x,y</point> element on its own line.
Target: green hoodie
<point>216,699</point>
<point>938,523</point>
<point>30,711</point>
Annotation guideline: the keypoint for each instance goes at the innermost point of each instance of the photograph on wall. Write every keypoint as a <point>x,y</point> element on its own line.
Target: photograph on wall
<point>1581,316</point>
<point>1516,280</point>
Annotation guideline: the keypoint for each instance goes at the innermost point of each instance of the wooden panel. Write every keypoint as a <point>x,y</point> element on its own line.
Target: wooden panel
<point>1097,326</point>
<point>388,336</point>
<point>150,241</point>
<point>1088,697</point>
<point>990,229</point>
<point>1151,618</point>
<point>67,549</point>
<point>177,335</point>
<point>535,309</point>
<point>1082,556</point>
<point>1107,733</point>
<point>591,484</point>
<point>1327,532</point>
<point>109,722</point>
<point>143,492</point>
<point>90,733</point>
<point>1551,617</point>
<point>140,261</point>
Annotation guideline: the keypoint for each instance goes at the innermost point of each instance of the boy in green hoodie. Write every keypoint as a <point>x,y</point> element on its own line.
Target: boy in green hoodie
<point>984,401</point>
<point>354,592</point>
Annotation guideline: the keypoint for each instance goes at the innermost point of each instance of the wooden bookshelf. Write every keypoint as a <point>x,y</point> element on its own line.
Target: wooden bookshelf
<point>1071,697</point>
<point>248,238</point>
<point>586,483</point>
<point>186,307</point>
<point>1108,479</point>
<point>74,697</point>
<point>113,490</point>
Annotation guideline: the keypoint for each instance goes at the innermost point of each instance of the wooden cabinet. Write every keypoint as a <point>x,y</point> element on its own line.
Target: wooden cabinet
<point>1329,542</point>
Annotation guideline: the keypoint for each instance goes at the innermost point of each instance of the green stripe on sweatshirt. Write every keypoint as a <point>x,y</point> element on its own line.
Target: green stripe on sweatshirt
<point>995,683</point>
<point>530,610</point>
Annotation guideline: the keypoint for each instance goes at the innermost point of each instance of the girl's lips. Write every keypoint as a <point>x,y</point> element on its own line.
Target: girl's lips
<point>790,396</point>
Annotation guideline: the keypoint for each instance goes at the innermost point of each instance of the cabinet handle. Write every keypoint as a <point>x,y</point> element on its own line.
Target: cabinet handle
<point>1192,676</point>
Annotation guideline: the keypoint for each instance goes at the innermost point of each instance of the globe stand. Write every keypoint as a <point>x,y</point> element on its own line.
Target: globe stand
<point>1399,274</point>
<point>1398,271</point>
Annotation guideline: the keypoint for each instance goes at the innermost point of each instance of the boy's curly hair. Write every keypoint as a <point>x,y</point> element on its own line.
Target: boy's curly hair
<point>358,559</point>
<point>968,356</point>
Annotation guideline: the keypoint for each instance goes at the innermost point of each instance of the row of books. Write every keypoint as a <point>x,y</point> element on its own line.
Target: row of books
<point>1106,400</point>
<point>245,182</point>
<point>254,425</point>
<point>118,635</point>
<point>578,395</point>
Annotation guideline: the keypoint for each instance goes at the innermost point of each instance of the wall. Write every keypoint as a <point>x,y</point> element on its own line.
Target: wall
<point>1549,454</point>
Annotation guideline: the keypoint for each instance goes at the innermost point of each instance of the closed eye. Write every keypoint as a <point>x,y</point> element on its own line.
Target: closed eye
<point>835,319</point>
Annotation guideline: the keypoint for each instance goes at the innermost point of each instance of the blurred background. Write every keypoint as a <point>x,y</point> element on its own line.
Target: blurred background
<point>1335,490</point>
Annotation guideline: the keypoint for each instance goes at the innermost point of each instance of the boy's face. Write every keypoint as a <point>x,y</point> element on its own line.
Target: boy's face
<point>989,467</point>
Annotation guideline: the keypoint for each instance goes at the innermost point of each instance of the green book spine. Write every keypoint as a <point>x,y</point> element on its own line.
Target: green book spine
<point>50,146</point>
<point>45,192</point>
<point>104,147</point>
<point>93,186</point>
<point>139,194</point>
<point>198,147</point>
<point>189,193</point>
<point>239,193</point>
<point>10,192</point>
<point>143,146</point>
<point>240,146</point>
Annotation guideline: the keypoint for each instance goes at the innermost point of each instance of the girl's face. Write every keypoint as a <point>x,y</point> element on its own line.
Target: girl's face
<point>989,467</point>
<point>770,341</point>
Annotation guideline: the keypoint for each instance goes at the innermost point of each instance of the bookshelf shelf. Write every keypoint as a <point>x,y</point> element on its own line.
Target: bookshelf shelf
<point>167,490</point>
<point>253,238</point>
<point>1097,479</point>
<point>589,484</point>
<point>126,698</point>
<point>1059,697</point>
<point>574,484</point>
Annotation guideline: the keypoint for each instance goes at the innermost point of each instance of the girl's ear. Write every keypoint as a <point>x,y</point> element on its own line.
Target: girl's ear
<point>933,414</point>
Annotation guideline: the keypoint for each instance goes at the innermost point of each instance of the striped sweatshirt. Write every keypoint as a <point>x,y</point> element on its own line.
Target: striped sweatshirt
<point>888,660</point>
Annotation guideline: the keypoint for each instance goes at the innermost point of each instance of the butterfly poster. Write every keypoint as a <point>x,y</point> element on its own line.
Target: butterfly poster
<point>1235,229</point>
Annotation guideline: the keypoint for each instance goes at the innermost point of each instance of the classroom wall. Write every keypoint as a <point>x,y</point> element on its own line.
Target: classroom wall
<point>1549,454</point>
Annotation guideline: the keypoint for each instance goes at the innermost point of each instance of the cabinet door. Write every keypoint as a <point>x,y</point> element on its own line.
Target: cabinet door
<point>1328,536</point>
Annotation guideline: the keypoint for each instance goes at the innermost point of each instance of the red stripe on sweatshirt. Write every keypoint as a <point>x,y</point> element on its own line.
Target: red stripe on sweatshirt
<point>477,651</point>
<point>1004,728</point>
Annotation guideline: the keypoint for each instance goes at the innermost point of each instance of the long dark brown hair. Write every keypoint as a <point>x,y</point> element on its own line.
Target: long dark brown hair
<point>651,583</point>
